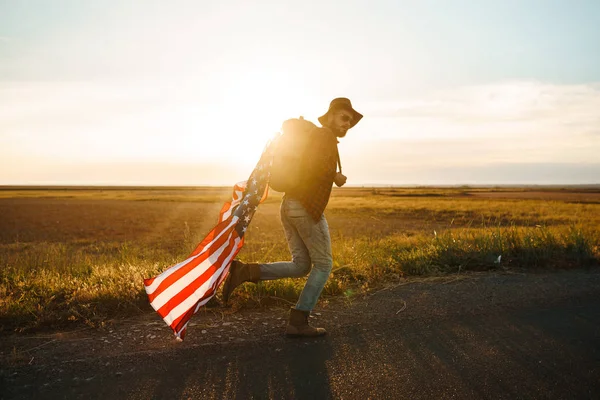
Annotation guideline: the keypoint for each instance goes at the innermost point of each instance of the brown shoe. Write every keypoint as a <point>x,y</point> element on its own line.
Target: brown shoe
<point>298,325</point>
<point>238,274</point>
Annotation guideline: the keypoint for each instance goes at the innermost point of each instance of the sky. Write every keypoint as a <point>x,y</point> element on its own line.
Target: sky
<point>189,92</point>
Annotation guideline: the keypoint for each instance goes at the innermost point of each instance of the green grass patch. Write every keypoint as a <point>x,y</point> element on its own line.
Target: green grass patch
<point>53,285</point>
<point>69,274</point>
<point>361,264</point>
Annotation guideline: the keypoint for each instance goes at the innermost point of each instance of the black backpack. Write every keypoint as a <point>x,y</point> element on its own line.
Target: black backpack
<point>291,149</point>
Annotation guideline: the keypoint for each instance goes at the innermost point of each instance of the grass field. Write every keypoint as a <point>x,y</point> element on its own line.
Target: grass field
<point>72,256</point>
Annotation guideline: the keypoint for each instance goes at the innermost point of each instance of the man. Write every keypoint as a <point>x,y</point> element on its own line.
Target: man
<point>304,223</point>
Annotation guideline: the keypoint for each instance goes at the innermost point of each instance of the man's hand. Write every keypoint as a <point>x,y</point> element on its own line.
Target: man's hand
<point>339,179</point>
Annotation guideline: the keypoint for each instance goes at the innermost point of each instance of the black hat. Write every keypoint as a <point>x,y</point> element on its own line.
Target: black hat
<point>341,103</point>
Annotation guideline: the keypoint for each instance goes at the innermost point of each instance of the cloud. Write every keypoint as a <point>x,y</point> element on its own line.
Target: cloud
<point>509,111</point>
<point>490,174</point>
<point>468,133</point>
<point>571,106</point>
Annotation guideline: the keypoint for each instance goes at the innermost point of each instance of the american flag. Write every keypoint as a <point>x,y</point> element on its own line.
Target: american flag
<point>180,291</point>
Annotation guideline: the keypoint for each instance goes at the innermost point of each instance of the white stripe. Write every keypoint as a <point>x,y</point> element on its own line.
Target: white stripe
<point>218,282</point>
<point>178,334</point>
<point>200,304</point>
<point>234,221</point>
<point>160,278</point>
<point>236,199</point>
<point>188,278</point>
<point>188,303</point>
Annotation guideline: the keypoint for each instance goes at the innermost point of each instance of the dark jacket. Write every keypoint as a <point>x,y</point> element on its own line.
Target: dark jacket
<point>319,170</point>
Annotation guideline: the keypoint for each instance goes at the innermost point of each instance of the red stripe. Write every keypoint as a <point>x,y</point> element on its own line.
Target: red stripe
<point>265,194</point>
<point>183,270</point>
<point>196,283</point>
<point>226,207</point>
<point>178,323</point>
<point>228,204</point>
<point>211,235</point>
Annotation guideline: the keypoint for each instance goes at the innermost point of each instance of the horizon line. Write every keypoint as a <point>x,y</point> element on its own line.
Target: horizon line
<point>353,186</point>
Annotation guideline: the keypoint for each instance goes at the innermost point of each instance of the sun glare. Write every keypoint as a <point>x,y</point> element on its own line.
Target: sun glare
<point>250,109</point>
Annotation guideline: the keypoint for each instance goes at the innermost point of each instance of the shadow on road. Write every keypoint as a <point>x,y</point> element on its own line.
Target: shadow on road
<point>543,353</point>
<point>301,372</point>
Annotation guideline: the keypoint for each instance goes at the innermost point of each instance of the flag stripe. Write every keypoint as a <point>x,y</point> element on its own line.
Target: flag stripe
<point>238,191</point>
<point>195,291</point>
<point>173,292</point>
<point>190,271</point>
<point>215,234</point>
<point>216,237</point>
<point>181,322</point>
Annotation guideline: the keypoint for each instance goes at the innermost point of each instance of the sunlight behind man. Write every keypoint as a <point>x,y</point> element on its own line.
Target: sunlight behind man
<point>248,111</point>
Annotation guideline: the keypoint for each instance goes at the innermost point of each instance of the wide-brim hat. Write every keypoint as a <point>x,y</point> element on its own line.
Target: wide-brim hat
<point>341,103</point>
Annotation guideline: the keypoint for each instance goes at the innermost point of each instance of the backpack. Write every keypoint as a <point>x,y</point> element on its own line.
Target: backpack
<point>290,151</point>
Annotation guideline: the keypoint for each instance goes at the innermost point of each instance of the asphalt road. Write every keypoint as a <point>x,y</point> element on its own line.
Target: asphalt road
<point>491,337</point>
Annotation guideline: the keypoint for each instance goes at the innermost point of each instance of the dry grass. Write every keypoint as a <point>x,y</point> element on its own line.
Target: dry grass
<point>79,256</point>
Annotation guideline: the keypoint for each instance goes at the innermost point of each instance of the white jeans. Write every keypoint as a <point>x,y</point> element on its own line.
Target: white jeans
<point>310,245</point>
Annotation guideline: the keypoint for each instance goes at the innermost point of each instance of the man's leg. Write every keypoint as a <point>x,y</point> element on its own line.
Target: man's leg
<point>309,242</point>
<point>315,236</point>
<point>318,242</point>
<point>299,266</point>
<point>301,262</point>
